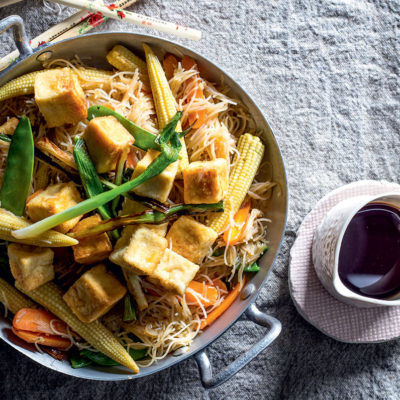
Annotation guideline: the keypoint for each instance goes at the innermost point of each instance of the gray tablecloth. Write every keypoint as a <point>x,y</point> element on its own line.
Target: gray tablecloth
<point>326,75</point>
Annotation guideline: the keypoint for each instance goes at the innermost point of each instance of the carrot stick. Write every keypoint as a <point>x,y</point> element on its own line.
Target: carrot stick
<point>188,62</point>
<point>195,118</point>
<point>170,63</point>
<point>38,321</point>
<point>220,284</point>
<point>46,340</point>
<point>206,294</point>
<point>235,234</point>
<point>214,314</point>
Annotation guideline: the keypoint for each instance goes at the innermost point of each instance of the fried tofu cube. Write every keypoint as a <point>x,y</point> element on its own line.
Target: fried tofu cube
<point>60,97</point>
<point>94,294</point>
<point>174,272</point>
<point>117,256</point>
<point>205,181</point>
<point>92,249</point>
<point>107,140</point>
<point>160,186</point>
<point>191,239</point>
<point>31,266</point>
<point>144,251</point>
<point>52,200</point>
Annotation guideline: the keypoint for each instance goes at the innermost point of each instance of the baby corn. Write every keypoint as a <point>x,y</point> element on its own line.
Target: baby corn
<point>10,222</point>
<point>95,333</point>
<point>124,60</point>
<point>24,84</point>
<point>163,99</point>
<point>246,165</point>
<point>12,299</point>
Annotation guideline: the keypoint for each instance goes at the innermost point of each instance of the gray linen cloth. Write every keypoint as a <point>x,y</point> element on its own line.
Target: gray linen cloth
<point>326,75</point>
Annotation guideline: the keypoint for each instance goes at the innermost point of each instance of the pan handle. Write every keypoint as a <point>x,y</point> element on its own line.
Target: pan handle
<point>253,314</point>
<point>20,38</point>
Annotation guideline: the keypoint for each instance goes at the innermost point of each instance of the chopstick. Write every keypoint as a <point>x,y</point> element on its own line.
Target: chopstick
<point>8,2</point>
<point>75,25</point>
<point>149,22</point>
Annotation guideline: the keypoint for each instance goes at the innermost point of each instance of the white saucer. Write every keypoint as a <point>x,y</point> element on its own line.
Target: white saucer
<point>332,317</point>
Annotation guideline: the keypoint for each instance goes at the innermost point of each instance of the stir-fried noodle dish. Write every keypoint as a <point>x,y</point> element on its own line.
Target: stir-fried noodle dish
<point>132,206</point>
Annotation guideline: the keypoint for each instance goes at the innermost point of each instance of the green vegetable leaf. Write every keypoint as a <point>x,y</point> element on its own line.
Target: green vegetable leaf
<point>78,361</point>
<point>105,361</point>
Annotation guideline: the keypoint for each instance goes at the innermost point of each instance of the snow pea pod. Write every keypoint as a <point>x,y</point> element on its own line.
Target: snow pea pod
<point>18,173</point>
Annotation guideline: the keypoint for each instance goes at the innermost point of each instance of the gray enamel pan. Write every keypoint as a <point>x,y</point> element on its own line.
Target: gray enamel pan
<point>93,49</point>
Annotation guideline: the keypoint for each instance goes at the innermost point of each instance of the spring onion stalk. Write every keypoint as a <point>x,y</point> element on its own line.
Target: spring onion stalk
<point>170,147</point>
<point>89,177</point>
<point>146,201</point>
<point>147,217</point>
<point>118,180</point>
<point>47,160</point>
<point>129,310</point>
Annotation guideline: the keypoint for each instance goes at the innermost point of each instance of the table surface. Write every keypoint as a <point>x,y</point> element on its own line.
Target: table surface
<point>326,75</point>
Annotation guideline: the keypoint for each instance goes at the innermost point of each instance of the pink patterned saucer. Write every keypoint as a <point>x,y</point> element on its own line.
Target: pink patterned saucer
<point>333,318</point>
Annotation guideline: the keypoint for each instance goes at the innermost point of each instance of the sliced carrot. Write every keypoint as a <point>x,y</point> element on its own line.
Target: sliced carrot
<point>195,118</point>
<point>204,293</point>
<point>170,63</point>
<point>219,283</point>
<point>216,313</point>
<point>38,321</point>
<point>188,62</point>
<point>47,340</point>
<point>235,234</point>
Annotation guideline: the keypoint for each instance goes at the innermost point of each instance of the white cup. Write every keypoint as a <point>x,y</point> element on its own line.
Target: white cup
<point>327,243</point>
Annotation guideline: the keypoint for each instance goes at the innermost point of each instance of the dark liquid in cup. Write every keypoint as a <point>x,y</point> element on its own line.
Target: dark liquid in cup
<point>370,249</point>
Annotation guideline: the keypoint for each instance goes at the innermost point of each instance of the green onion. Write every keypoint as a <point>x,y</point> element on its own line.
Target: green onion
<point>89,177</point>
<point>147,217</point>
<point>129,310</point>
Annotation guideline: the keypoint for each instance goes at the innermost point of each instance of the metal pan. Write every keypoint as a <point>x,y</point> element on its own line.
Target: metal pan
<point>93,49</point>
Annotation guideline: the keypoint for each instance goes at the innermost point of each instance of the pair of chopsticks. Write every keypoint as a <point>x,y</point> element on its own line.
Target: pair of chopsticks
<point>95,14</point>
<point>114,12</point>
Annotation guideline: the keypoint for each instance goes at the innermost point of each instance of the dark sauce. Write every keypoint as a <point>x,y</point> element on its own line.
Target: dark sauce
<point>370,249</point>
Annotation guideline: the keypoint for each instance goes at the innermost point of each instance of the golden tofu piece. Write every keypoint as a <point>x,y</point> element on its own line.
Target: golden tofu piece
<point>191,239</point>
<point>131,207</point>
<point>93,249</point>
<point>9,126</point>
<point>107,140</point>
<point>31,266</point>
<point>160,186</point>
<point>123,242</point>
<point>52,200</point>
<point>60,97</point>
<point>144,251</point>
<point>205,181</point>
<point>174,272</point>
<point>94,293</point>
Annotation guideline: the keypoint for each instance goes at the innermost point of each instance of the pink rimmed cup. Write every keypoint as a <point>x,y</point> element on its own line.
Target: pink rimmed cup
<point>327,244</point>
